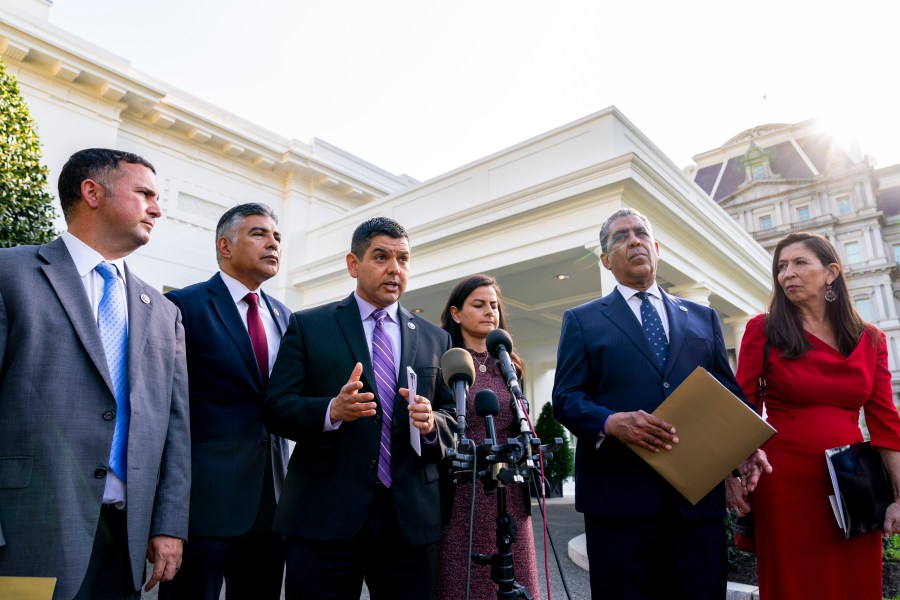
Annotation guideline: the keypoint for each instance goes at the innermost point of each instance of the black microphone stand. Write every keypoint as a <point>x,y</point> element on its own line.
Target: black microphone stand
<point>501,465</point>
<point>501,562</point>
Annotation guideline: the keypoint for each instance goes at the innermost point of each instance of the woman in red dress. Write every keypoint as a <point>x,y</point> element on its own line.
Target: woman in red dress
<point>824,364</point>
<point>474,309</point>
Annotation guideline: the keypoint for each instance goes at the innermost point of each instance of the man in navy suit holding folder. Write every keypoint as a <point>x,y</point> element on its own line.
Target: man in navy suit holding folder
<point>619,357</point>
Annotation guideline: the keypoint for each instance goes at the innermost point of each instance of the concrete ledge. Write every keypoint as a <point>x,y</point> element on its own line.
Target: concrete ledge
<point>736,591</point>
<point>578,552</point>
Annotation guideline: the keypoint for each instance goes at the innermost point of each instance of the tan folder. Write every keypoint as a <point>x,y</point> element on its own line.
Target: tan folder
<point>716,433</point>
<point>27,588</point>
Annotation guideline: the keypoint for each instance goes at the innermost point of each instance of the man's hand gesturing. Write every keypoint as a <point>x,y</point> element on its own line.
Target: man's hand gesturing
<point>350,405</point>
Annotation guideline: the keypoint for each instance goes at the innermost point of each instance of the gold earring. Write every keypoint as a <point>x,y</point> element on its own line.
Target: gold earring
<point>830,294</point>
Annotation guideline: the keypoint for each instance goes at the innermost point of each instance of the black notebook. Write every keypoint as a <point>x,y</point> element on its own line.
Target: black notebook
<point>862,491</point>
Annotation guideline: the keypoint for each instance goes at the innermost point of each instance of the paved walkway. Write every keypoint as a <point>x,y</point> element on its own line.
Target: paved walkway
<point>566,528</point>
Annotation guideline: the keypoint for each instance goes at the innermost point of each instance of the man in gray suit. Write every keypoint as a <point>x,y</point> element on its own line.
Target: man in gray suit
<point>94,427</point>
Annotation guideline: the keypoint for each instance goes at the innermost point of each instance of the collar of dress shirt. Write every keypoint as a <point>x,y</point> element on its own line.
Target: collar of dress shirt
<point>366,309</point>
<point>86,258</point>
<point>628,292</point>
<point>237,289</point>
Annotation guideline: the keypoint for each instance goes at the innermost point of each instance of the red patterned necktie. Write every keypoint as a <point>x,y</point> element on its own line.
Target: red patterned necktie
<point>257,335</point>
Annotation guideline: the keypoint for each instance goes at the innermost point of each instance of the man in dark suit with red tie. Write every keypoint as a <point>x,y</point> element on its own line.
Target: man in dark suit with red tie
<point>358,501</point>
<point>233,332</point>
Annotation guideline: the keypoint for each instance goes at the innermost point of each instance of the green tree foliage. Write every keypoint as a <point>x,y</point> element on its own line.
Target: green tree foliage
<point>26,208</point>
<point>547,428</point>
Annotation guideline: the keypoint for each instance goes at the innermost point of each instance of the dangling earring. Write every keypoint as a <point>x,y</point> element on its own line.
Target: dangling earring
<point>830,294</point>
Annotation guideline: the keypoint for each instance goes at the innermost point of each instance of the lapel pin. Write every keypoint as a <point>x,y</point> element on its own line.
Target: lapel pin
<point>145,298</point>
<point>681,308</point>
<point>410,324</point>
<point>277,314</point>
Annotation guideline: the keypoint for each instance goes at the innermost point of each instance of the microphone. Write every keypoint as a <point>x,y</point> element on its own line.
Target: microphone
<point>459,373</point>
<point>487,406</point>
<point>499,345</point>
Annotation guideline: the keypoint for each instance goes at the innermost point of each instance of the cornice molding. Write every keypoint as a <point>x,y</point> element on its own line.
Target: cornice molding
<point>51,54</point>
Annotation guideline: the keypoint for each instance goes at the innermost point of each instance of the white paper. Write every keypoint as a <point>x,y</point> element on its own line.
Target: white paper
<point>835,503</point>
<point>837,509</point>
<point>415,438</point>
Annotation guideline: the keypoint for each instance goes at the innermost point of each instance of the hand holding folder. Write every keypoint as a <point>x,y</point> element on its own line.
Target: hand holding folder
<point>862,491</point>
<point>716,433</point>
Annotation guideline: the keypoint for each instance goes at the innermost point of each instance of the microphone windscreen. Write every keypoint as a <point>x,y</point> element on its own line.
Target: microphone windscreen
<point>486,403</point>
<point>457,365</point>
<point>495,339</point>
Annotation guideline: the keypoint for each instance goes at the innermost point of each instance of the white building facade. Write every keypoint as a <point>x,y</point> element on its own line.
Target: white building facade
<point>778,178</point>
<point>530,214</point>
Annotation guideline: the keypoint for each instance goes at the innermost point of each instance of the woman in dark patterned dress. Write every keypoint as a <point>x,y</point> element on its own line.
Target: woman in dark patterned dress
<point>474,309</point>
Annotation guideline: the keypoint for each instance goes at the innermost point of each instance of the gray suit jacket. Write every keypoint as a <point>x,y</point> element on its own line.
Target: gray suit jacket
<point>56,419</point>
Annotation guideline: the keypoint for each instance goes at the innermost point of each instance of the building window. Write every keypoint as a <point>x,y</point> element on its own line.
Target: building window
<point>851,249</point>
<point>803,214</point>
<point>897,253</point>
<point>843,205</point>
<point>765,222</point>
<point>864,308</point>
<point>759,171</point>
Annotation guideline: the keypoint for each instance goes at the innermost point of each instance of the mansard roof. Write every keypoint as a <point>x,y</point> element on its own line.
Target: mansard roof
<point>795,153</point>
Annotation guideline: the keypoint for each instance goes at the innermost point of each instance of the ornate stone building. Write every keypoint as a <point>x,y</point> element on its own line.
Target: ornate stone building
<point>529,214</point>
<point>778,178</point>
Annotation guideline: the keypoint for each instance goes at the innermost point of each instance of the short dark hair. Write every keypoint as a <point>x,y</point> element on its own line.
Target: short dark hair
<point>97,164</point>
<point>230,223</point>
<point>622,212</point>
<point>376,226</point>
<point>784,329</point>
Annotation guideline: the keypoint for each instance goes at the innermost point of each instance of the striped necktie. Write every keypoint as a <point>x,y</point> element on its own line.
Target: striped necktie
<point>386,379</point>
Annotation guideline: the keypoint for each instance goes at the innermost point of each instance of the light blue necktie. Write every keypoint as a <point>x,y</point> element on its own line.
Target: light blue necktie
<point>113,325</point>
<point>653,328</point>
<point>386,384</point>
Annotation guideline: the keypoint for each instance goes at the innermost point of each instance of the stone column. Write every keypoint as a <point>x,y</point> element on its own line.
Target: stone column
<point>607,280</point>
<point>695,292</point>
<point>738,327</point>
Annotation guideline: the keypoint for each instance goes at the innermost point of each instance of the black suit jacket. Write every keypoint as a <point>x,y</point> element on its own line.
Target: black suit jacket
<point>228,437</point>
<point>605,365</point>
<point>331,476</point>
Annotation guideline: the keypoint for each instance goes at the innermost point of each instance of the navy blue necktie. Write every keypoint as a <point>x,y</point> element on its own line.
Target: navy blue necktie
<point>653,329</point>
<point>113,325</point>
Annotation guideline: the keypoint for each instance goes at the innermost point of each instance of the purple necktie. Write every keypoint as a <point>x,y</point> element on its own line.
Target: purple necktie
<point>386,379</point>
<point>257,335</point>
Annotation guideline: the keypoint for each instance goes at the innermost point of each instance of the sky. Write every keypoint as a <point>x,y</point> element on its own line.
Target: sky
<point>421,87</point>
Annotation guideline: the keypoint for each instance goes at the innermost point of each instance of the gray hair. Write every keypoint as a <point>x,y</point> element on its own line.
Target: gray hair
<point>230,223</point>
<point>622,212</point>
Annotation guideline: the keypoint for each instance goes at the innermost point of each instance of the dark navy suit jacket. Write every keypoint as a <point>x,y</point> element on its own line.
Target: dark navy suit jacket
<point>605,365</point>
<point>228,437</point>
<point>332,475</point>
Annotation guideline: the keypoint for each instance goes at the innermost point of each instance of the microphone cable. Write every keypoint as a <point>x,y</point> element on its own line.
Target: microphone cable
<point>472,518</point>
<point>542,501</point>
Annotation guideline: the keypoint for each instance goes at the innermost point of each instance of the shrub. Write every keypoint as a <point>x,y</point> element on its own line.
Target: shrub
<point>26,208</point>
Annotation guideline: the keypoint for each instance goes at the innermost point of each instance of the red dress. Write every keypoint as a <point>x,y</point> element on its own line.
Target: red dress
<point>813,402</point>
<point>453,555</point>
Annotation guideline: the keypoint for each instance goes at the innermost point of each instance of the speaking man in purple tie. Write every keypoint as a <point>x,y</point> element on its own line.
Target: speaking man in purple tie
<point>358,502</point>
<point>94,436</point>
<point>233,331</point>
